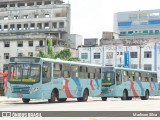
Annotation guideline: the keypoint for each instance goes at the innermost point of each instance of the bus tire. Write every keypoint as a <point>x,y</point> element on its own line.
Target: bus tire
<point>129,98</point>
<point>104,98</point>
<point>53,97</point>
<point>146,97</point>
<point>25,100</point>
<point>85,96</point>
<point>61,99</point>
<point>125,95</point>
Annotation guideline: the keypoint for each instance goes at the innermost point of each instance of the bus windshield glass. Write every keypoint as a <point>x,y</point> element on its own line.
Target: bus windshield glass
<point>24,73</point>
<point>108,78</point>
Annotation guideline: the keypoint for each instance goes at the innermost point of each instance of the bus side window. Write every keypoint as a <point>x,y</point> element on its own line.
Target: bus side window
<point>140,76</point>
<point>118,77</point>
<point>46,72</point>
<point>125,75</point>
<point>57,70</point>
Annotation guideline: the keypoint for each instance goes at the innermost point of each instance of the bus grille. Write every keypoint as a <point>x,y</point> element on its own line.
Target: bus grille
<point>22,90</point>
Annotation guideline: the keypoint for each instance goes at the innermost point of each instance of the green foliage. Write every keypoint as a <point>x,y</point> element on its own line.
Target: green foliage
<point>73,59</point>
<point>64,54</point>
<point>42,54</point>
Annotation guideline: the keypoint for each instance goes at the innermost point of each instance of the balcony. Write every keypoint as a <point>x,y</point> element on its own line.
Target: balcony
<point>40,48</point>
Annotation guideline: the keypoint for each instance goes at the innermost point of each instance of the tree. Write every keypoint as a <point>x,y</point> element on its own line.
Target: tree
<point>64,54</point>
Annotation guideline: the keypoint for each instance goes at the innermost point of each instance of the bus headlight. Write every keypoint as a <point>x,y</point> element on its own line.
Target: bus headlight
<point>34,90</point>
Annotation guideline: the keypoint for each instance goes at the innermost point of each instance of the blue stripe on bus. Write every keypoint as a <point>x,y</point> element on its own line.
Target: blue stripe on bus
<point>97,84</point>
<point>140,85</point>
<point>155,85</point>
<point>76,80</point>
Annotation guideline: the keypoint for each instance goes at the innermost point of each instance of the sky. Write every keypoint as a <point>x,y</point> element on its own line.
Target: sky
<point>90,18</point>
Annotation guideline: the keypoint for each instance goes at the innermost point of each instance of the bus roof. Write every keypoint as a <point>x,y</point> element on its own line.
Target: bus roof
<point>69,62</point>
<point>138,70</point>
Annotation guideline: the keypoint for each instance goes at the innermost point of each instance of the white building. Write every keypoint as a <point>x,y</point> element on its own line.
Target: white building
<point>145,56</point>
<point>25,26</point>
<point>75,41</point>
<point>137,24</point>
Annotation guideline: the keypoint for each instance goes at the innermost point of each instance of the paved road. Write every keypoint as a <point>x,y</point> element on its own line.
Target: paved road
<point>93,104</point>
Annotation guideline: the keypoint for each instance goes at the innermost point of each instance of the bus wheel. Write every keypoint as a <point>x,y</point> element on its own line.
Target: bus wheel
<point>146,97</point>
<point>85,96</point>
<point>125,96</point>
<point>61,99</point>
<point>53,97</point>
<point>104,98</point>
<point>25,100</point>
<point>129,98</point>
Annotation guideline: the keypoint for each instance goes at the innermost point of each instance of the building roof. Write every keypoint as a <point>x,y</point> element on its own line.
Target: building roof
<point>25,0</point>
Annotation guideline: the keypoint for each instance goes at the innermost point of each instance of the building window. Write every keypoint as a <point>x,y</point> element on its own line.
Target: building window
<point>12,5</point>
<point>133,54</point>
<point>134,66</point>
<point>148,54</point>
<point>130,32</point>
<point>97,56</point>
<point>84,55</point>
<point>5,27</point>
<point>46,15</point>
<point>19,26</point>
<point>5,17</point>
<point>46,25</point>
<point>32,26</point>
<point>121,53</point>
<point>25,16</point>
<point>54,25</point>
<point>61,25</point>
<point>39,25</point>
<point>30,54</point>
<point>6,55</point>
<point>15,17</point>
<point>19,43</point>
<point>30,43</point>
<point>0,27</point>
<point>12,27</point>
<point>47,2</point>
<point>156,31</point>
<point>41,43</point>
<point>109,55</point>
<point>36,16</point>
<point>20,54</point>
<point>6,44</point>
<point>30,4</point>
<point>3,5</point>
<point>39,3</point>
<point>147,67</point>
<point>25,26</point>
<point>21,4</point>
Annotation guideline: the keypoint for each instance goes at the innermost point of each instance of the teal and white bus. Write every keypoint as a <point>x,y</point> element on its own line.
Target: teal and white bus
<point>127,83</point>
<point>45,78</point>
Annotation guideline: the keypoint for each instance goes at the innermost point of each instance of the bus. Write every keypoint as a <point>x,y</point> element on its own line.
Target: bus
<point>126,83</point>
<point>52,79</point>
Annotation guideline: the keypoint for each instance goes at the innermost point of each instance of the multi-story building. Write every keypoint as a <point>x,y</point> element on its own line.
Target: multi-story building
<point>75,41</point>
<point>137,24</point>
<point>120,53</point>
<point>25,26</point>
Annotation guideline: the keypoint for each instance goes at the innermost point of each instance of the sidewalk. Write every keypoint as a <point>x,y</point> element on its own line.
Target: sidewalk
<point>4,99</point>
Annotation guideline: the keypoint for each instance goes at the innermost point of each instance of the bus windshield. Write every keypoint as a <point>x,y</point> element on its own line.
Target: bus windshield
<point>24,73</point>
<point>108,78</point>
